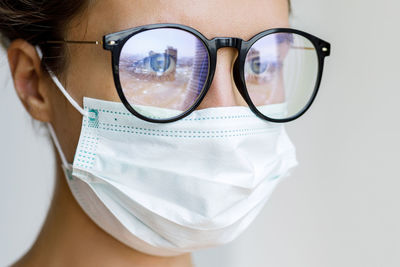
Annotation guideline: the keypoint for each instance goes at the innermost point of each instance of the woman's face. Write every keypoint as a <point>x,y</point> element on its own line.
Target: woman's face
<point>88,72</point>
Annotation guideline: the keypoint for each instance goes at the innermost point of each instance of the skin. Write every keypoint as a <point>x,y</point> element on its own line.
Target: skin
<point>69,237</point>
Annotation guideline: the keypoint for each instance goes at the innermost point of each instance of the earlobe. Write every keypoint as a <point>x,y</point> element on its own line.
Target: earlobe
<point>29,81</point>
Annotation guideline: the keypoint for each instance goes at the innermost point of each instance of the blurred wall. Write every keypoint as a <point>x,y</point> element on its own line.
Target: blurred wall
<point>341,205</point>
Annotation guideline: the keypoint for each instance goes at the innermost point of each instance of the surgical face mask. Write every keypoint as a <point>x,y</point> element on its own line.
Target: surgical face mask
<point>168,189</point>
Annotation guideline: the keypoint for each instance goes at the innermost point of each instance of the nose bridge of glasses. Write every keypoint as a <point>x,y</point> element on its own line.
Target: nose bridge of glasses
<point>221,42</point>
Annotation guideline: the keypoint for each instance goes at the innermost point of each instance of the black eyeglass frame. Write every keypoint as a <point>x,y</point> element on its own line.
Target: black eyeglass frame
<point>114,42</point>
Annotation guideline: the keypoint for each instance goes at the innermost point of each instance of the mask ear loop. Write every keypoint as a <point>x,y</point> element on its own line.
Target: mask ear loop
<point>61,87</point>
<point>66,166</point>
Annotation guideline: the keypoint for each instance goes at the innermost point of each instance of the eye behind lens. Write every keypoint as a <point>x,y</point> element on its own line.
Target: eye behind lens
<point>160,63</point>
<point>257,67</point>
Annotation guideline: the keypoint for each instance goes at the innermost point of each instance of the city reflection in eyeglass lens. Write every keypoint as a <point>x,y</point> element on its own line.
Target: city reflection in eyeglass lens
<point>165,68</point>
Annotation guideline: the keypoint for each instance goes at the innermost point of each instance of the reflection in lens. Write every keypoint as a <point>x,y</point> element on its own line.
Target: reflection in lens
<point>281,69</point>
<point>163,70</point>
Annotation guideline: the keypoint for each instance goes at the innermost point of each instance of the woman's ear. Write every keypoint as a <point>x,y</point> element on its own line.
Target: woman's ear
<point>30,82</point>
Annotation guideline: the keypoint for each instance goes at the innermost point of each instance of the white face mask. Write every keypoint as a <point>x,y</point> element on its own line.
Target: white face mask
<point>167,189</point>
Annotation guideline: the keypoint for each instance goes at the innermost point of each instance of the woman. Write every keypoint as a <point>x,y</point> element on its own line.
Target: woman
<point>159,152</point>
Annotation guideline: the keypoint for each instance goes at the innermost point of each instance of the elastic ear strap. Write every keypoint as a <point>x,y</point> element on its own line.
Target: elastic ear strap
<point>61,87</point>
<point>58,146</point>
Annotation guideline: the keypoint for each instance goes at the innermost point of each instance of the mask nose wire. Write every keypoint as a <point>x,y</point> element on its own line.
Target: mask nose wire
<point>61,87</point>
<point>65,164</point>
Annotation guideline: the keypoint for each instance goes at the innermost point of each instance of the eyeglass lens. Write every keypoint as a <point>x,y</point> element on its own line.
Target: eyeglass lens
<point>281,70</point>
<point>164,71</point>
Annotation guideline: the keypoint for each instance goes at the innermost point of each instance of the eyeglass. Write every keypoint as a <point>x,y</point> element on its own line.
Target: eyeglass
<point>162,72</point>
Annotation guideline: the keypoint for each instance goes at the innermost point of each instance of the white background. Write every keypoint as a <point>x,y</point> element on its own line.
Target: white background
<point>341,205</point>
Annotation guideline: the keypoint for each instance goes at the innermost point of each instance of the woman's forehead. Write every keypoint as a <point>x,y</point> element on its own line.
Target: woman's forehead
<point>233,18</point>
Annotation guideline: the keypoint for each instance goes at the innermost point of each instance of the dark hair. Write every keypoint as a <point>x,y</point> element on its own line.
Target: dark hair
<point>38,20</point>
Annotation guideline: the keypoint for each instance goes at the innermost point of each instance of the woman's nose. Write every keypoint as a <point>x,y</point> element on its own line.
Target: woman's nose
<point>223,91</point>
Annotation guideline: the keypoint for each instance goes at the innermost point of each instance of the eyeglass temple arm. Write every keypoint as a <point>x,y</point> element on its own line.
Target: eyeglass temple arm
<point>73,42</point>
<point>302,47</point>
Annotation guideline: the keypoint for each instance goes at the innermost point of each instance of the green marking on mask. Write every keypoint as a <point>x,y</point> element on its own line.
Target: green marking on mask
<point>93,118</point>
<point>275,177</point>
<point>68,173</point>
